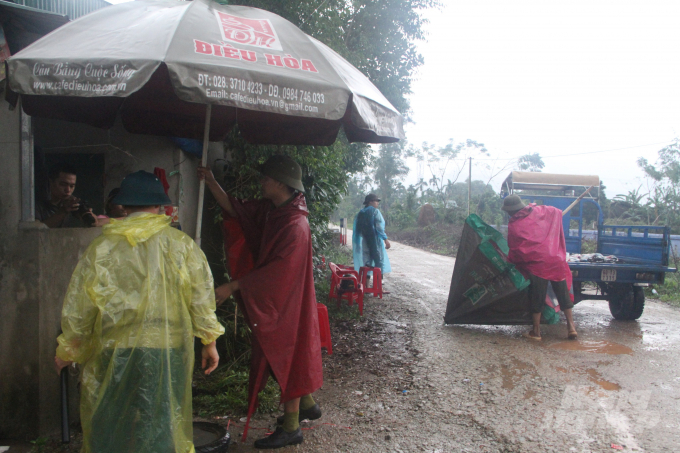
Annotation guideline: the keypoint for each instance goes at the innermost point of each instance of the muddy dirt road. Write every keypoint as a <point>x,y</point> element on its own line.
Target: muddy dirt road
<point>402,381</point>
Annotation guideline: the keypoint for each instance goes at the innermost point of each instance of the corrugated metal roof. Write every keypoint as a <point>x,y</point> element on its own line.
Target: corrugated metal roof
<point>31,20</point>
<point>71,8</point>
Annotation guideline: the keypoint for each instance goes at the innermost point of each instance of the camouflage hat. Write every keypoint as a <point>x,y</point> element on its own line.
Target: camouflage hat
<point>285,170</point>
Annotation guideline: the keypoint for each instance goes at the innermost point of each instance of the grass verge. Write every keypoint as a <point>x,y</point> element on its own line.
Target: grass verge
<point>669,292</point>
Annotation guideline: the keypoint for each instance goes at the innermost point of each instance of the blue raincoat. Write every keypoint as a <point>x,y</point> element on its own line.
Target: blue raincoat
<point>369,225</point>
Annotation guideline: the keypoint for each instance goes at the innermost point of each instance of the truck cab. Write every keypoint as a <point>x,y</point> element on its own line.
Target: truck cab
<point>636,256</point>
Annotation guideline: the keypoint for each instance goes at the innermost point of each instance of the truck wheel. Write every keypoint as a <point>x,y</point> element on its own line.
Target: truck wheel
<point>626,302</point>
<point>638,302</point>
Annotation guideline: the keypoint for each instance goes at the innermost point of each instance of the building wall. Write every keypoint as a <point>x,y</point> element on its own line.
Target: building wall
<point>36,263</point>
<point>19,295</point>
<point>58,253</point>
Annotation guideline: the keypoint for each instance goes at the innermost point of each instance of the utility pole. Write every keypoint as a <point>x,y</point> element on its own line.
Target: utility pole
<point>469,184</point>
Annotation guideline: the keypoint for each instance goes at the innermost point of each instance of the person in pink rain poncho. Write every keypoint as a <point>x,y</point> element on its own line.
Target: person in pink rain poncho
<point>538,250</point>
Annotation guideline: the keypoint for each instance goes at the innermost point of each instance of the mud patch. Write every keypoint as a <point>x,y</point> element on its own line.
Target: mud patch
<point>595,377</point>
<point>598,347</point>
<point>513,372</point>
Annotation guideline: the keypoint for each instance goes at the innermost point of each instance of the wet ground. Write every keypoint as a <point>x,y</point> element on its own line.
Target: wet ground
<point>401,381</point>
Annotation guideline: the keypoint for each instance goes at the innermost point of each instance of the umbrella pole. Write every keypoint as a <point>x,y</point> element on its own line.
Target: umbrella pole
<point>201,185</point>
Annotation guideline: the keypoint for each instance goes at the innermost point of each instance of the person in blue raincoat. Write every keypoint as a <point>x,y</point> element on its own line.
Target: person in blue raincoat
<point>369,241</point>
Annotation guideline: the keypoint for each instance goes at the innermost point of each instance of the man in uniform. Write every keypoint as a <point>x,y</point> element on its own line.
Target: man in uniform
<point>137,298</point>
<point>62,208</point>
<point>278,293</point>
<point>538,249</point>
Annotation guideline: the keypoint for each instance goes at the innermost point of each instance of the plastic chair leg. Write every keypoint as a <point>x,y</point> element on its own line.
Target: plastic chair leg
<point>324,328</point>
<point>377,282</point>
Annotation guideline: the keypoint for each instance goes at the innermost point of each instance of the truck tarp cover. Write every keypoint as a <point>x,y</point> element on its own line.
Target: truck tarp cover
<point>485,287</point>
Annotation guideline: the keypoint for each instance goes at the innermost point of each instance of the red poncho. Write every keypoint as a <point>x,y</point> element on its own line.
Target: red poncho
<point>278,296</point>
<point>536,241</point>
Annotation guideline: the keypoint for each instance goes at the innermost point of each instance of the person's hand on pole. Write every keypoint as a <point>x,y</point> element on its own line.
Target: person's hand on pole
<point>223,292</point>
<point>207,174</point>
<point>209,358</point>
<point>204,173</point>
<point>60,364</point>
<point>387,244</point>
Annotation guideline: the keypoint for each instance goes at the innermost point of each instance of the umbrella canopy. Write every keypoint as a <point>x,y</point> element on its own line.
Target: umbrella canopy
<point>156,62</point>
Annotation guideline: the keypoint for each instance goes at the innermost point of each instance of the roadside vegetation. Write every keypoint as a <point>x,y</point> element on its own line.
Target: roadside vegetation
<point>443,191</point>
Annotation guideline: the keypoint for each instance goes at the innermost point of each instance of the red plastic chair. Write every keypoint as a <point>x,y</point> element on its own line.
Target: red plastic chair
<point>376,289</point>
<point>324,328</point>
<point>335,281</point>
<point>349,294</point>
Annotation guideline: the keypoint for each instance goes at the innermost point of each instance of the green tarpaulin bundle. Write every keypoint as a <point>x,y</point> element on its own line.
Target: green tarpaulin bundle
<point>485,287</point>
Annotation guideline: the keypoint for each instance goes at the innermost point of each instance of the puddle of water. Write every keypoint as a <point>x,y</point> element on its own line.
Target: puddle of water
<point>513,372</point>
<point>599,347</point>
<point>595,377</point>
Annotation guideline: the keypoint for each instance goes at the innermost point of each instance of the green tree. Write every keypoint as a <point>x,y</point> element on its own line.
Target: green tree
<point>376,36</point>
<point>379,38</point>
<point>389,169</point>
<point>664,193</point>
<point>530,162</point>
<point>446,164</point>
<point>631,206</point>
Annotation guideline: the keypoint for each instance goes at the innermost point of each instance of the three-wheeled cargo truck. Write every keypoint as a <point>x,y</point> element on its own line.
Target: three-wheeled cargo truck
<point>641,252</point>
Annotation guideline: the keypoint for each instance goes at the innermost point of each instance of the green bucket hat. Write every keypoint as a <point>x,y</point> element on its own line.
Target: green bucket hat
<point>513,203</point>
<point>285,170</point>
<point>141,189</point>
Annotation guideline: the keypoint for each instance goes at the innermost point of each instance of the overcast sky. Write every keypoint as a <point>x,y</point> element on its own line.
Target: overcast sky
<point>594,83</point>
<point>596,78</point>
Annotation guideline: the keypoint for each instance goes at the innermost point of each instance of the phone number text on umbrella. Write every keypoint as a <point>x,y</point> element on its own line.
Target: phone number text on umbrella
<point>273,91</point>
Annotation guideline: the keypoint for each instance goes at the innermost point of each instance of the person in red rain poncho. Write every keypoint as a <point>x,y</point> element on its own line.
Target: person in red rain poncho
<point>278,293</point>
<point>538,249</point>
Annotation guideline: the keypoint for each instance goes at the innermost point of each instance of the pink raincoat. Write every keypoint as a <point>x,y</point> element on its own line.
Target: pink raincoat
<point>536,241</point>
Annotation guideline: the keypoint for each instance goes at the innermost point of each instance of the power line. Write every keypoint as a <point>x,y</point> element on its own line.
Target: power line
<point>581,154</point>
<point>608,150</point>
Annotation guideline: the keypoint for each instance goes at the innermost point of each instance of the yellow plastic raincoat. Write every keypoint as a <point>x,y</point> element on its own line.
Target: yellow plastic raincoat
<point>138,296</point>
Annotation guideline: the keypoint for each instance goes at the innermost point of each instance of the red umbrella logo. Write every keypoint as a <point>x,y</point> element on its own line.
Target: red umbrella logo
<point>251,32</point>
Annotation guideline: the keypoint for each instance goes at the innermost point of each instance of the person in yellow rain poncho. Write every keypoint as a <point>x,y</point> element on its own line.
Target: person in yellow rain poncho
<point>138,296</point>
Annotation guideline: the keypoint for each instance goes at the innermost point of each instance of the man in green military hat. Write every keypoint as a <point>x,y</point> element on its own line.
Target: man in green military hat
<point>277,293</point>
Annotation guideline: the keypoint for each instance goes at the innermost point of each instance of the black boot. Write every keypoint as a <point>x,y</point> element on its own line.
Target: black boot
<point>312,413</point>
<point>280,438</point>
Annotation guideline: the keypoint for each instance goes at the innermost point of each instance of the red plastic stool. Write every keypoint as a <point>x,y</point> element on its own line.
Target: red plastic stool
<point>324,328</point>
<point>376,289</point>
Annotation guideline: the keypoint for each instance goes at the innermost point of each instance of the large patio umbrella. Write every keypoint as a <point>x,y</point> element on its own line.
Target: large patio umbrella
<point>194,69</point>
